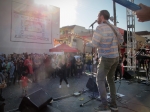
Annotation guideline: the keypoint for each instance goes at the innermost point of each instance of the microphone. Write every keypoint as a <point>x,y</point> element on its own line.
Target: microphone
<point>93,23</point>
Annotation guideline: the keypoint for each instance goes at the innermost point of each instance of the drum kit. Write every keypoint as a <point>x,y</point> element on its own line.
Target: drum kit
<point>142,54</point>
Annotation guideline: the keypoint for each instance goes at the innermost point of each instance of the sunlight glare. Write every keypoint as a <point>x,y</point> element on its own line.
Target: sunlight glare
<point>67,10</point>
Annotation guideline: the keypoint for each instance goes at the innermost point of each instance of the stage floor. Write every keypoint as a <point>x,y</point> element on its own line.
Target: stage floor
<point>136,99</point>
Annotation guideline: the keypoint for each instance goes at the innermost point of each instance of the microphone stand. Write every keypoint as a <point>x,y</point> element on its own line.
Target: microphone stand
<point>93,96</point>
<point>92,46</point>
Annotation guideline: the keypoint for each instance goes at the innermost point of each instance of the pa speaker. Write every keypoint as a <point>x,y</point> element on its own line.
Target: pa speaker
<point>2,107</point>
<point>91,84</point>
<point>128,74</point>
<point>35,101</point>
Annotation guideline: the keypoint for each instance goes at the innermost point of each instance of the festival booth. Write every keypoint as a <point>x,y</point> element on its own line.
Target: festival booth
<point>63,48</point>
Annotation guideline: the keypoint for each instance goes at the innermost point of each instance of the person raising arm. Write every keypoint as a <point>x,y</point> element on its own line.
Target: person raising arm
<point>143,14</point>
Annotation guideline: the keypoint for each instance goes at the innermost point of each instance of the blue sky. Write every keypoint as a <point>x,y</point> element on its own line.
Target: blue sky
<point>84,12</point>
<point>88,10</point>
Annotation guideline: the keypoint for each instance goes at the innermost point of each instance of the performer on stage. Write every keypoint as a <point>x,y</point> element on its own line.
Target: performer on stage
<point>106,39</point>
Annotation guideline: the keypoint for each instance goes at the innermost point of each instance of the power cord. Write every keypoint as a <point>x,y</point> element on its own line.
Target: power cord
<point>119,85</point>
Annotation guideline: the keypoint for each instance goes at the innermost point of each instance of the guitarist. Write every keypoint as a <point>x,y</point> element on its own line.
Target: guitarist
<point>106,39</point>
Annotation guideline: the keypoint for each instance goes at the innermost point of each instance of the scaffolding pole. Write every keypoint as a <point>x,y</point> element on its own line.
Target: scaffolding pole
<point>131,41</point>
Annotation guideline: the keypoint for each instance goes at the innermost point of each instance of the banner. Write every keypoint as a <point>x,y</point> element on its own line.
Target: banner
<point>31,23</point>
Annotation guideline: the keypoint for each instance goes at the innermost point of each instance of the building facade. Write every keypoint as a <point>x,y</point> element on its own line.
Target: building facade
<point>77,37</point>
<point>26,26</point>
<point>142,37</point>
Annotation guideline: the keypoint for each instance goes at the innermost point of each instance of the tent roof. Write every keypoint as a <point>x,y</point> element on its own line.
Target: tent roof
<point>121,30</point>
<point>63,48</point>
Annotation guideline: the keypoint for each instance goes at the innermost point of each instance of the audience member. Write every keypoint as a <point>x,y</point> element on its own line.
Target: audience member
<point>79,67</point>
<point>24,83</point>
<point>29,64</point>
<point>68,64</point>
<point>62,66</point>
<point>143,14</point>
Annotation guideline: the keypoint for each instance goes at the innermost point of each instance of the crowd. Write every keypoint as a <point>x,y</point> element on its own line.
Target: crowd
<point>21,68</point>
<point>26,67</point>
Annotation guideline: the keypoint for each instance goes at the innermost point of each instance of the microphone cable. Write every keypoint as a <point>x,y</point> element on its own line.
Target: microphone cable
<point>119,85</point>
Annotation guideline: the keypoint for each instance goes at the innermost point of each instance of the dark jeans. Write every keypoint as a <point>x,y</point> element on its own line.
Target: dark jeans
<point>79,72</point>
<point>68,70</point>
<point>53,73</point>
<point>118,70</point>
<point>89,67</point>
<point>17,76</point>
<point>73,71</point>
<point>9,80</point>
<point>63,77</point>
<point>107,68</point>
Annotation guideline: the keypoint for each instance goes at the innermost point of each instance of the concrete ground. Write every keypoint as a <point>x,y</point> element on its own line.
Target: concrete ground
<point>136,99</point>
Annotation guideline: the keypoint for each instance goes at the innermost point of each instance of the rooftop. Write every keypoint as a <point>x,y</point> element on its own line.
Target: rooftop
<point>142,33</point>
<point>69,27</point>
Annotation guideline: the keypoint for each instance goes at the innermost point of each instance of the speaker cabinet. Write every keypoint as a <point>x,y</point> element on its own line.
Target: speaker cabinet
<point>91,84</point>
<point>128,75</point>
<point>35,101</point>
<point>2,106</point>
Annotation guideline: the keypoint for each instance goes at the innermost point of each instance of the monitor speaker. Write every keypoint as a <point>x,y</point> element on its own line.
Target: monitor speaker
<point>91,84</point>
<point>2,106</point>
<point>35,101</point>
<point>129,74</point>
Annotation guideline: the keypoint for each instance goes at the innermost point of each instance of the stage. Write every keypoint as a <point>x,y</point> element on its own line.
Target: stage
<point>136,99</point>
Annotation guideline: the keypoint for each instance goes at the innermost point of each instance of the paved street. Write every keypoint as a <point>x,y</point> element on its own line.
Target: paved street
<point>136,99</point>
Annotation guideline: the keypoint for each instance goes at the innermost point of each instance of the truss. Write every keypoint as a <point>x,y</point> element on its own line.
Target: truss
<point>131,41</point>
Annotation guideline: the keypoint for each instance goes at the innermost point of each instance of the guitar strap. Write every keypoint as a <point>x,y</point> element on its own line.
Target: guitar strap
<point>116,36</point>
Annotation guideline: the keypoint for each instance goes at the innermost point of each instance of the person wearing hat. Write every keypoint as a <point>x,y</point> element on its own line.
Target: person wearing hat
<point>106,39</point>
